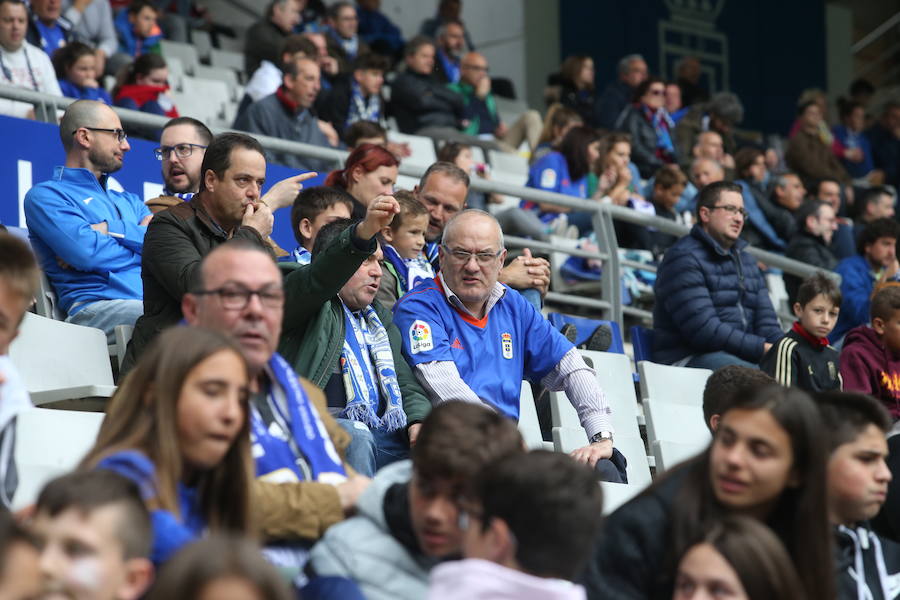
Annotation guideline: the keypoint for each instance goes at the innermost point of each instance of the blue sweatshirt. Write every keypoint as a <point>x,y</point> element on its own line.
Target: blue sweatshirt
<point>60,212</point>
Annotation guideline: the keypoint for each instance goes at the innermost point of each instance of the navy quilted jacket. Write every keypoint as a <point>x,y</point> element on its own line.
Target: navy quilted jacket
<point>708,300</point>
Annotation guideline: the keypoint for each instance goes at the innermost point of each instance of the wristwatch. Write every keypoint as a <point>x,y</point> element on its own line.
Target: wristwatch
<point>602,435</point>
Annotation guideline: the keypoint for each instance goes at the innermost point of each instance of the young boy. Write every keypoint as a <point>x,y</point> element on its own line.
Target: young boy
<point>314,208</point>
<point>20,574</point>
<point>19,280</point>
<point>404,263</point>
<point>868,566</point>
<point>138,31</point>
<point>803,357</point>
<point>94,533</point>
<point>723,385</point>
<point>870,358</point>
<point>511,554</point>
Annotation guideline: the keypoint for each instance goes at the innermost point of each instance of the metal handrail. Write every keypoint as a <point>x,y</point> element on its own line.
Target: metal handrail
<point>875,34</point>
<point>605,213</point>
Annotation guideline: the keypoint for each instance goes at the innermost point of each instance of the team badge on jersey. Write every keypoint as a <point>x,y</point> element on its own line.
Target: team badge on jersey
<point>420,339</point>
<point>506,344</point>
<point>548,178</point>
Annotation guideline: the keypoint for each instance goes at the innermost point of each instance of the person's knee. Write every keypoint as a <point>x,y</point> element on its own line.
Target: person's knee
<point>607,471</point>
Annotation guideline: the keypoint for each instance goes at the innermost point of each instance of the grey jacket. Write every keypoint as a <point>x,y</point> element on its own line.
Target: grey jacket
<point>363,549</point>
<point>270,117</point>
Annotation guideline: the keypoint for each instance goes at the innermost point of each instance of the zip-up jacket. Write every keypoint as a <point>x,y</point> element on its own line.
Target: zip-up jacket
<point>800,360</point>
<point>868,566</point>
<point>709,299</point>
<point>99,266</point>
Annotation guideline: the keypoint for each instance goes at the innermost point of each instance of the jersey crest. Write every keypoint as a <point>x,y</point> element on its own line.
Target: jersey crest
<point>506,345</point>
<point>420,339</point>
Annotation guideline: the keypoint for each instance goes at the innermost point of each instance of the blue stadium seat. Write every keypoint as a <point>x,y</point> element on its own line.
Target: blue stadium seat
<point>586,327</point>
<point>642,342</point>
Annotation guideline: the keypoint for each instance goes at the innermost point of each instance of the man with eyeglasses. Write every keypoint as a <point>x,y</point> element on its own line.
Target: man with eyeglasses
<point>470,338</point>
<point>712,305</point>
<point>481,116</point>
<point>88,236</point>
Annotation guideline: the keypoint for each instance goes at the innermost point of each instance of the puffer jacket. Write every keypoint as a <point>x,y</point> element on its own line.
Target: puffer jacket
<point>710,299</point>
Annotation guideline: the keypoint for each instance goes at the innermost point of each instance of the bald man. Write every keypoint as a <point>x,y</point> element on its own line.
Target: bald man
<point>89,238</point>
<point>480,114</point>
<point>472,339</point>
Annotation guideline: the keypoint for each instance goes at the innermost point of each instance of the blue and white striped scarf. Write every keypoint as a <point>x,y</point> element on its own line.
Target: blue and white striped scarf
<point>366,340</point>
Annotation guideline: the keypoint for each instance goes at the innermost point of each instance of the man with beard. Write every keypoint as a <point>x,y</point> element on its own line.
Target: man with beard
<point>89,238</point>
<point>451,41</point>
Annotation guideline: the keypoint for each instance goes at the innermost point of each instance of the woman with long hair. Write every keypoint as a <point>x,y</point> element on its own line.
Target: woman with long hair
<point>370,171</point>
<point>766,461</point>
<point>557,123</point>
<point>650,127</point>
<point>142,85</point>
<point>738,558</point>
<point>565,171</point>
<point>178,426</point>
<point>576,77</point>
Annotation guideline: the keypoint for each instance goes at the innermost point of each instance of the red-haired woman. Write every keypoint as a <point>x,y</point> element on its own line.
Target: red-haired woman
<point>370,171</point>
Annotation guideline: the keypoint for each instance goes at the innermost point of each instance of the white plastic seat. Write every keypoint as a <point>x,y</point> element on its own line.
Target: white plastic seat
<point>202,41</point>
<point>681,385</point>
<point>227,59</point>
<point>617,494</point>
<point>529,426</point>
<point>637,467</point>
<point>185,52</point>
<point>506,162</point>
<point>226,76</point>
<point>423,154</point>
<point>61,361</point>
<point>176,73</point>
<point>50,443</point>
<point>668,454</point>
<point>405,182</point>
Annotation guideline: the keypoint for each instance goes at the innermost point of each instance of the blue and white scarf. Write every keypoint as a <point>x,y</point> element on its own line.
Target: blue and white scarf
<point>298,255</point>
<point>365,340</point>
<point>304,430</point>
<point>362,109</point>
<point>349,45</point>
<point>409,271</point>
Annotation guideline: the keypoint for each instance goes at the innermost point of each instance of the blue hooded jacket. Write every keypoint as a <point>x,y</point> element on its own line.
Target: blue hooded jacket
<point>709,299</point>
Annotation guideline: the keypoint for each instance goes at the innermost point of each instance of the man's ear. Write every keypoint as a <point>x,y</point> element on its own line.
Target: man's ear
<point>305,228</point>
<point>138,576</point>
<point>189,306</point>
<point>703,214</point>
<point>501,543</point>
<point>387,234</point>
<point>878,325</point>
<point>714,421</point>
<point>210,180</point>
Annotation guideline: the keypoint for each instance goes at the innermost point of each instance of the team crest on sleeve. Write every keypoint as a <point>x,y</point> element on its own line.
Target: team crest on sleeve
<point>506,344</point>
<point>548,178</point>
<point>420,339</point>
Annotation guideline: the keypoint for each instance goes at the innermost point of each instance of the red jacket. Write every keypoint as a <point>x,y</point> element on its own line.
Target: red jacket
<point>868,367</point>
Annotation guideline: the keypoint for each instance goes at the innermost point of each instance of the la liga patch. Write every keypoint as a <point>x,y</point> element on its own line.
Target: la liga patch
<point>420,339</point>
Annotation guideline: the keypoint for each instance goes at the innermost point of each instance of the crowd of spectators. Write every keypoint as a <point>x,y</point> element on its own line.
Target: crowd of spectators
<point>345,410</point>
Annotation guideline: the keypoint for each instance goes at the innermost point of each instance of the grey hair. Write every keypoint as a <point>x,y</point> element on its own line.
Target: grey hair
<point>446,168</point>
<point>81,113</point>
<point>697,161</point>
<point>448,228</point>
<point>727,106</point>
<point>626,60</point>
<point>780,180</point>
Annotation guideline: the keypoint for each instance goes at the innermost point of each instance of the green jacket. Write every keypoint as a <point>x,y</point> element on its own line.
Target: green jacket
<point>468,93</point>
<point>313,331</point>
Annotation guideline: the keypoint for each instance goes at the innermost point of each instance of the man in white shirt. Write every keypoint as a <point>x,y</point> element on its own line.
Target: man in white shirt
<point>22,64</point>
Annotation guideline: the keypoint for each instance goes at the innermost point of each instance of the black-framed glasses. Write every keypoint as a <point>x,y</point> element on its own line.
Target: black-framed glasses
<point>120,134</point>
<point>236,297</point>
<point>181,150</point>
<point>732,210</point>
<point>464,256</point>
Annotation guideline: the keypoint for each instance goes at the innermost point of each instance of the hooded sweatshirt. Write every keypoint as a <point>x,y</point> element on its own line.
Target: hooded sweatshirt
<point>475,579</point>
<point>867,366</point>
<point>868,567</point>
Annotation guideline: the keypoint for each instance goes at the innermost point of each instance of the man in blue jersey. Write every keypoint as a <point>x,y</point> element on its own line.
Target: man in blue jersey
<point>88,236</point>
<point>471,338</point>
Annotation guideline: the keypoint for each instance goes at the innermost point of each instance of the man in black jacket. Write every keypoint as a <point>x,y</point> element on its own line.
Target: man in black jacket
<point>811,243</point>
<point>417,100</point>
<point>355,96</point>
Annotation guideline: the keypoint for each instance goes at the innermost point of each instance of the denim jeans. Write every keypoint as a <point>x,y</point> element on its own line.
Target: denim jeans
<point>372,449</point>
<point>715,360</point>
<point>107,314</point>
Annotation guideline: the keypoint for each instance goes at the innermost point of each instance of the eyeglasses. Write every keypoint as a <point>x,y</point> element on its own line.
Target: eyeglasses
<point>181,150</point>
<point>236,297</point>
<point>464,256</point>
<point>732,210</point>
<point>476,68</point>
<point>120,134</point>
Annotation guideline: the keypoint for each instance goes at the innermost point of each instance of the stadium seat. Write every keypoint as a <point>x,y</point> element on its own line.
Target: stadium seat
<point>674,432</point>
<point>226,76</point>
<point>638,467</point>
<point>176,73</point>
<point>61,361</point>
<point>405,182</point>
<point>229,60</point>
<point>586,327</point>
<point>529,426</point>
<point>50,443</point>
<point>507,163</point>
<point>617,494</point>
<point>185,52</point>
<point>558,257</point>
<point>682,385</point>
<point>669,454</point>
<point>478,154</point>
<point>423,154</point>
<point>202,41</point>
<point>641,342</point>
<point>46,304</point>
